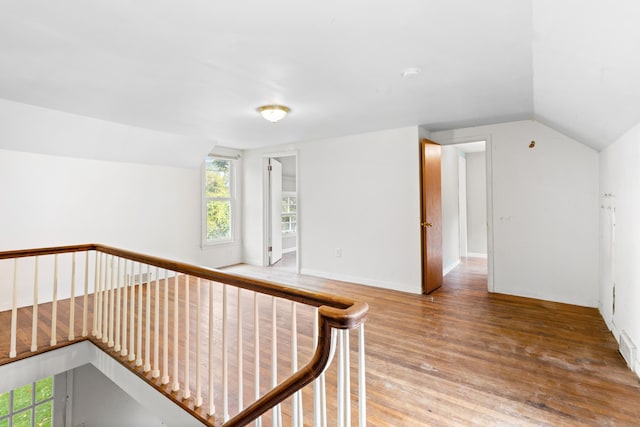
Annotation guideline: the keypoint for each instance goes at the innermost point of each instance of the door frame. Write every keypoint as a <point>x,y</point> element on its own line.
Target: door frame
<point>489,184</point>
<point>266,205</point>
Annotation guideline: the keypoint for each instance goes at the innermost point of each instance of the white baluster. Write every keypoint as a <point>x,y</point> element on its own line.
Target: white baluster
<point>277,413</point>
<point>165,331</point>
<point>132,315</point>
<point>212,406</point>
<point>111,303</point>
<point>139,332</point>
<point>347,378</point>
<point>256,351</point>
<point>14,310</point>
<point>125,305</point>
<point>72,302</point>
<point>34,322</point>
<point>362,382</point>
<point>319,403</point>
<point>187,390</point>
<point>54,302</point>
<point>240,367</point>
<point>340,380</point>
<point>176,330</point>
<point>105,300</point>
<point>225,373</point>
<point>85,309</point>
<point>118,344</point>
<point>198,349</point>
<point>97,298</point>
<point>147,328</point>
<point>296,400</point>
<point>156,327</point>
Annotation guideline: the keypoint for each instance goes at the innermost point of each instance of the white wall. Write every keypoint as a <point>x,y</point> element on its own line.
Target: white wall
<point>359,193</point>
<point>450,209</point>
<point>143,204</point>
<point>51,200</point>
<point>98,402</point>
<point>476,203</point>
<point>544,224</point>
<point>117,184</point>
<point>620,176</point>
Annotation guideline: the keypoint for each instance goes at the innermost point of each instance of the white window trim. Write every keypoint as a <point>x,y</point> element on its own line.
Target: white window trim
<point>232,203</point>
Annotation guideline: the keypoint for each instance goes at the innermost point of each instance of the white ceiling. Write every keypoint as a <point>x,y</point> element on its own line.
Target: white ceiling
<point>201,67</point>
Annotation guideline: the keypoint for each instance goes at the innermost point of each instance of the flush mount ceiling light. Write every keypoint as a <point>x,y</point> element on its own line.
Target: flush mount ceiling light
<point>273,113</point>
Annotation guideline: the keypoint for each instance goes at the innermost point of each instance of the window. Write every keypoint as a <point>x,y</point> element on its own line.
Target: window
<point>28,406</point>
<point>218,197</point>
<point>289,214</point>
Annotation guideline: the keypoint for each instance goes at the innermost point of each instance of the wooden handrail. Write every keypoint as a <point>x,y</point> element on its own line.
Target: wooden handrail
<point>341,312</point>
<point>296,382</point>
<point>333,312</point>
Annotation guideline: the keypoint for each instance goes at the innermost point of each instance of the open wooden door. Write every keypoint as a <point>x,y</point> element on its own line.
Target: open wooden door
<point>431,215</point>
<point>275,195</point>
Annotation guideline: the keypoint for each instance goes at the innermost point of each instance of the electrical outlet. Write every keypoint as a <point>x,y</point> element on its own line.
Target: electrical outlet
<point>338,252</point>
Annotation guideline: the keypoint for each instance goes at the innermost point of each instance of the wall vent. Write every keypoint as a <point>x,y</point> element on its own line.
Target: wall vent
<point>627,349</point>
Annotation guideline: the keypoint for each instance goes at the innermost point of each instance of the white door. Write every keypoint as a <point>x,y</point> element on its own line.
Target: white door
<point>275,192</point>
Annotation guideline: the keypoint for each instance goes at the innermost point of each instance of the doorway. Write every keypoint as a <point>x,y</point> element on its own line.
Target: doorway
<point>454,211</point>
<point>464,207</point>
<point>281,212</point>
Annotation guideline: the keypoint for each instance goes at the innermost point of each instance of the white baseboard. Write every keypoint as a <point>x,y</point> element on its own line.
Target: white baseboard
<point>256,262</point>
<point>416,289</point>
<point>616,335</point>
<point>476,255</point>
<point>288,250</point>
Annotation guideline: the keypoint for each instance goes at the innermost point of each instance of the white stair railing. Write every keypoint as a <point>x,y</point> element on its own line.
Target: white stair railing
<point>136,314</point>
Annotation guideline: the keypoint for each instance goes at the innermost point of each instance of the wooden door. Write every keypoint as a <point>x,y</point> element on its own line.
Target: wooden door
<point>431,218</point>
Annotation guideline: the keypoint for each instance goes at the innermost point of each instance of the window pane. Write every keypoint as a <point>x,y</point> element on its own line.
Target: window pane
<point>22,397</point>
<point>44,389</point>
<point>218,219</point>
<point>23,419</point>
<point>4,404</point>
<point>4,423</point>
<point>44,414</point>
<point>218,178</point>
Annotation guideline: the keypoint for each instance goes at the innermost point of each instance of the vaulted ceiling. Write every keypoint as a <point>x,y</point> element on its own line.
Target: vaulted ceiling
<point>201,67</point>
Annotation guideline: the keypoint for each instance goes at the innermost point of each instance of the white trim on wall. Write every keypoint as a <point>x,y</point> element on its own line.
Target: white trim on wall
<point>489,172</point>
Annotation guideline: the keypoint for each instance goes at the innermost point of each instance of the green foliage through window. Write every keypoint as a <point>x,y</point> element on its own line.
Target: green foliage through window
<point>218,194</point>
<point>26,407</point>
<point>289,215</point>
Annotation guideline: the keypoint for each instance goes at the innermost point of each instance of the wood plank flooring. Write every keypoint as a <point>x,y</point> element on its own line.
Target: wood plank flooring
<point>462,356</point>
<point>459,356</point>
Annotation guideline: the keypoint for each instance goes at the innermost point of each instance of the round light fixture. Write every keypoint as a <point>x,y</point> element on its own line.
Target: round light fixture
<point>273,113</point>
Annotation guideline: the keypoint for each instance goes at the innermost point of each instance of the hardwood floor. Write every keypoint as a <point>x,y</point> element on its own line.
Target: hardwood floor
<point>462,356</point>
<point>459,356</point>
